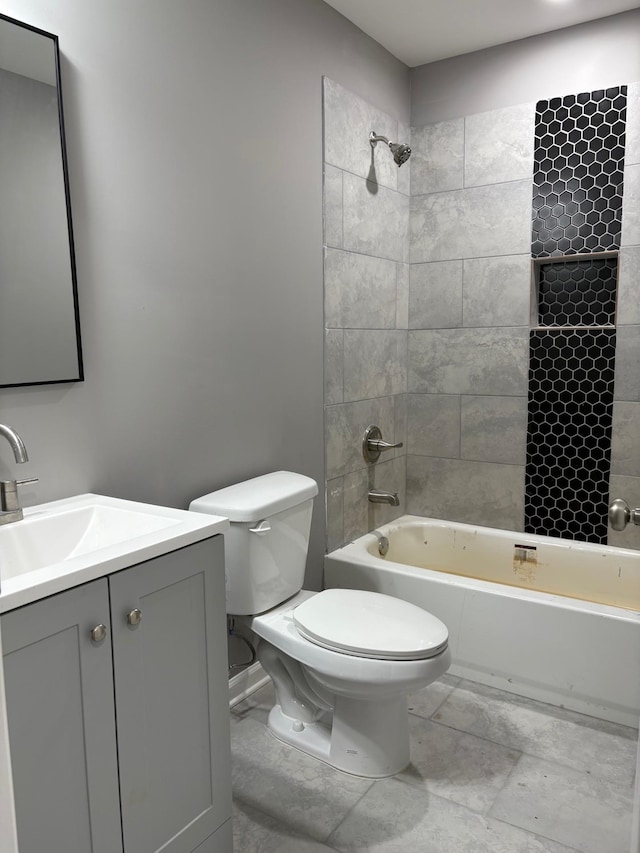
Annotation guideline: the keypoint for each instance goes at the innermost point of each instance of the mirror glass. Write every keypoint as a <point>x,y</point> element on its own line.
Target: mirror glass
<point>39,325</point>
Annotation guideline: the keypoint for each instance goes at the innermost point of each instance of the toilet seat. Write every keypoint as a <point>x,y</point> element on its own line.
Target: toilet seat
<point>370,625</point>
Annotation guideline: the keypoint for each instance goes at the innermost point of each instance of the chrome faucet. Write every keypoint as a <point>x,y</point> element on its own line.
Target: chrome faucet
<point>10,509</point>
<point>17,444</point>
<point>377,496</point>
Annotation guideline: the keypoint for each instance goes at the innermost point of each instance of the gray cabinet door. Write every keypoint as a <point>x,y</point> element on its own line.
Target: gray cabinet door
<point>172,699</point>
<point>60,708</point>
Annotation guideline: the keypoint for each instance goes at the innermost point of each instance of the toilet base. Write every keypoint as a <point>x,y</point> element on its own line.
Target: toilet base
<point>364,738</point>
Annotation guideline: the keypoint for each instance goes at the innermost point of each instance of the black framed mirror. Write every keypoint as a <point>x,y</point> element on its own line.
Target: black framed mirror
<point>39,320</point>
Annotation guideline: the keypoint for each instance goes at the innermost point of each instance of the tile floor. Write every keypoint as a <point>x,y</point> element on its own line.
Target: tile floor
<point>491,772</point>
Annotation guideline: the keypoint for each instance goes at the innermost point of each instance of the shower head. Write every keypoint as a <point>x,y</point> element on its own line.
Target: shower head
<point>400,151</point>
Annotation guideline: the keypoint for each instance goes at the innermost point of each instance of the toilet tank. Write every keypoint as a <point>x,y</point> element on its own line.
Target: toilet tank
<point>266,546</point>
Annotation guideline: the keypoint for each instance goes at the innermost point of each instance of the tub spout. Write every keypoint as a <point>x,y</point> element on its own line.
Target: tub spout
<point>377,496</point>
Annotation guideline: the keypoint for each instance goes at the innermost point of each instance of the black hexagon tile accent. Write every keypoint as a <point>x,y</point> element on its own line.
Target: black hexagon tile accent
<point>569,433</point>
<point>577,293</point>
<point>578,173</point>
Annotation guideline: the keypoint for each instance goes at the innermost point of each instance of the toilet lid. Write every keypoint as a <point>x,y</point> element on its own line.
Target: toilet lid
<point>370,625</point>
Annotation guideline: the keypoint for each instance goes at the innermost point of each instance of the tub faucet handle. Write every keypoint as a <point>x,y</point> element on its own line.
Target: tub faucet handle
<point>373,444</point>
<point>620,514</point>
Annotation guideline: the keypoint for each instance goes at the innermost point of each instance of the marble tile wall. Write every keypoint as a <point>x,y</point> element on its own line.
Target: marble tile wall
<point>366,297</point>
<point>469,318</point>
<point>427,316</point>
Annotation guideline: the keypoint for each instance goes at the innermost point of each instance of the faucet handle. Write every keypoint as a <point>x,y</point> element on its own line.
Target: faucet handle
<point>9,497</point>
<point>373,444</point>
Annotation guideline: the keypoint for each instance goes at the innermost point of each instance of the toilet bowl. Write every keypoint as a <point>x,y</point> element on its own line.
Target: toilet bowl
<point>342,661</point>
<point>348,711</point>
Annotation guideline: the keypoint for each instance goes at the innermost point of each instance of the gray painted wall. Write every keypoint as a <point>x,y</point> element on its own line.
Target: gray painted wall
<point>195,147</point>
<point>576,59</point>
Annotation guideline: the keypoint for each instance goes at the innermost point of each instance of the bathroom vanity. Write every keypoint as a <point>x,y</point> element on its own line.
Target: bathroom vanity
<point>116,686</point>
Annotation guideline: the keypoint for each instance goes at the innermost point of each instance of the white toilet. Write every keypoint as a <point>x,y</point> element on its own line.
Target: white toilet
<point>342,661</point>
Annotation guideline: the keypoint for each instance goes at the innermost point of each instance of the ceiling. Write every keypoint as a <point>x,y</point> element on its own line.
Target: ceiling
<point>421,31</point>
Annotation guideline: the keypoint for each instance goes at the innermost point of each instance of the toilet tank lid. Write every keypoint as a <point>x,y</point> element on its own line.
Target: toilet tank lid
<point>258,498</point>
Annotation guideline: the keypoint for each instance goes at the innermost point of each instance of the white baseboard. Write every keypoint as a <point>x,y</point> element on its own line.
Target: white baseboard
<point>246,682</point>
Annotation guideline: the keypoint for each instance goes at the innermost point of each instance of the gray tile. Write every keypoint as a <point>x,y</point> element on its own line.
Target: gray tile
<point>404,171</point>
<point>625,446</point>
<point>426,702</point>
<point>569,806</point>
<point>375,219</point>
<point>460,767</point>
<point>333,366</point>
<point>402,296</point>
<point>437,157</point>
<point>375,363</point>
<point>394,817</point>
<point>435,296</point>
<point>632,147</point>
<point>356,508</point>
<point>468,361</point>
<point>574,740</point>
<point>348,120</point>
<point>335,513</point>
<point>478,222</point>
<point>631,207</point>
<point>627,376</point>
<point>628,276</point>
<point>389,476</point>
<point>499,145</point>
<point>359,291</point>
<point>494,429</point>
<point>345,425</point>
<point>497,291</point>
<point>629,489</point>
<point>433,425</point>
<point>255,832</point>
<point>295,789</point>
<point>474,492</point>
<point>332,206</point>
<point>401,424</point>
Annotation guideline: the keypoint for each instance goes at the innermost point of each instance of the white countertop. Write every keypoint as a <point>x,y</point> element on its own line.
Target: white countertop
<point>174,529</point>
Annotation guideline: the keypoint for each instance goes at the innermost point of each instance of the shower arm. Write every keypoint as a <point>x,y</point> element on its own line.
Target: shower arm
<point>375,137</point>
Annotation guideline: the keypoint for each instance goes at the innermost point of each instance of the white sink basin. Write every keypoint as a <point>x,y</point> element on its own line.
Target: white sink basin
<point>71,541</point>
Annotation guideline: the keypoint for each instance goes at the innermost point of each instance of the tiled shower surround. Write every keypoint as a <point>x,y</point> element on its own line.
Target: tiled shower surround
<point>446,273</point>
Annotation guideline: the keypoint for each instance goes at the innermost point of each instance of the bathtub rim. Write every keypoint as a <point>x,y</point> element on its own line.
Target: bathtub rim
<point>356,551</point>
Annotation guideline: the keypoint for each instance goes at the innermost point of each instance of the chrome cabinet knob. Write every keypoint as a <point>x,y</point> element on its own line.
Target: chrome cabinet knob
<point>99,633</point>
<point>134,617</point>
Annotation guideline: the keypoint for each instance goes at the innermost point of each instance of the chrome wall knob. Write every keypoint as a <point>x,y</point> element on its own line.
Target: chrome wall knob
<point>620,514</point>
<point>134,617</point>
<point>99,633</point>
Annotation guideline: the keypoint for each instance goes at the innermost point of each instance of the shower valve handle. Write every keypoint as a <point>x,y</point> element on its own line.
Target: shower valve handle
<point>373,444</point>
<point>620,514</point>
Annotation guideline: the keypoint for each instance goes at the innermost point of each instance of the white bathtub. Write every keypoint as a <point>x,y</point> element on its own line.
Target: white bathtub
<point>543,617</point>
